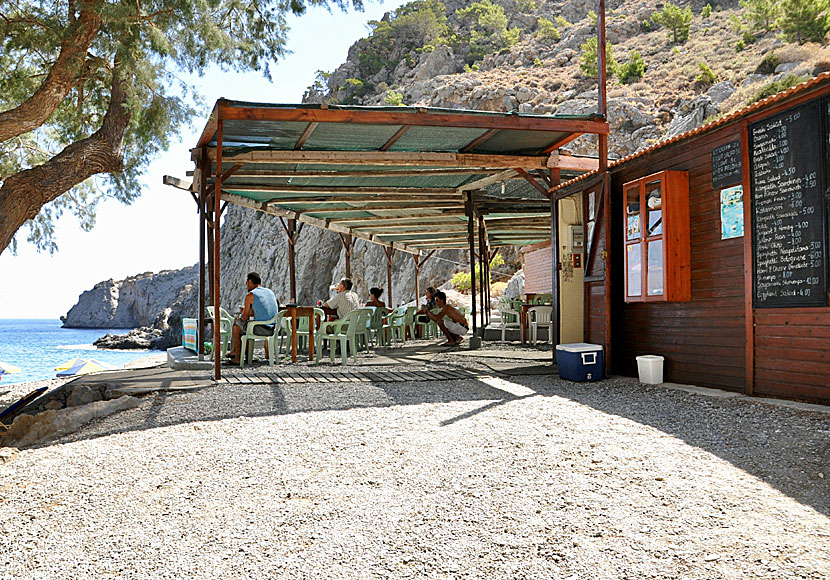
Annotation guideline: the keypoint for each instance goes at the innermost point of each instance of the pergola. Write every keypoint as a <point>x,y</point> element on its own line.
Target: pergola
<point>410,179</point>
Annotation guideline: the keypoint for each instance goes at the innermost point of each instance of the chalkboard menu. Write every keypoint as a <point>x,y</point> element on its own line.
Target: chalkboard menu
<point>726,165</point>
<point>786,175</point>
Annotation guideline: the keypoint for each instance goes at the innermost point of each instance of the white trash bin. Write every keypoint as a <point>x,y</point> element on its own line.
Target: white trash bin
<point>650,368</point>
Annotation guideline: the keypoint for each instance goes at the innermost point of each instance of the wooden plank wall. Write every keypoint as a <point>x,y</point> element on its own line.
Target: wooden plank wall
<point>538,269</point>
<point>703,341</point>
<point>792,353</point>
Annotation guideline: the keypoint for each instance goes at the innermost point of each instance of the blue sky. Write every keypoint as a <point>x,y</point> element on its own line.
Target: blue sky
<point>160,230</point>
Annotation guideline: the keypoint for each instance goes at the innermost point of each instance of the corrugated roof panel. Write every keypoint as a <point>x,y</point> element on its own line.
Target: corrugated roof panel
<point>261,133</point>
<point>351,214</point>
<point>255,195</point>
<point>436,139</point>
<point>349,137</point>
<point>519,142</point>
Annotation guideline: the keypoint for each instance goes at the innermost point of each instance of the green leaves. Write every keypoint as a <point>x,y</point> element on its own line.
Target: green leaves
<point>589,59</point>
<point>488,29</point>
<point>143,42</point>
<point>804,20</point>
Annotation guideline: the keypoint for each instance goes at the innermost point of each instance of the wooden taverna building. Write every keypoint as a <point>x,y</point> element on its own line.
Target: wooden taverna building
<point>713,251</point>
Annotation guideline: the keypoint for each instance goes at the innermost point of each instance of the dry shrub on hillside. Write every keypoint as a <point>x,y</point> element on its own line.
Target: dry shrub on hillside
<point>497,289</point>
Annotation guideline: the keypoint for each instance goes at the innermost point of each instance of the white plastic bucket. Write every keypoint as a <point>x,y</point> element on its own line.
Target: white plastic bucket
<point>650,368</point>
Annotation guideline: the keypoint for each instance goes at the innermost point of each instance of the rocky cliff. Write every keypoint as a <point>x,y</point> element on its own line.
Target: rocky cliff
<point>132,302</point>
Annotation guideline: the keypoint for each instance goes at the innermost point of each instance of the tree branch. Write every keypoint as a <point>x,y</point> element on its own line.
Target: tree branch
<point>24,193</point>
<point>33,112</point>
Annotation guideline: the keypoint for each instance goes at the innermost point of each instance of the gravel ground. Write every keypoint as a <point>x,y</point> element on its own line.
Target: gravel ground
<point>527,477</point>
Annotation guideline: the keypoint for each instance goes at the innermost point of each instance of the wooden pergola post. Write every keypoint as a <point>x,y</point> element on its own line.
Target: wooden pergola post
<point>554,259</point>
<point>348,245</point>
<point>204,174</point>
<point>390,252</point>
<point>471,235</point>
<point>292,232</point>
<point>482,271</point>
<point>602,142</point>
<point>217,200</point>
<point>418,262</point>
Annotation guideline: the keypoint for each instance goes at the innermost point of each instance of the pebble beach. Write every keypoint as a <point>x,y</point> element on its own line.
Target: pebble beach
<point>519,477</point>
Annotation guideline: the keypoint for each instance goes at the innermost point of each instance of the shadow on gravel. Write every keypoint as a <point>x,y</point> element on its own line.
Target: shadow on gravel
<point>786,448</point>
<point>217,403</point>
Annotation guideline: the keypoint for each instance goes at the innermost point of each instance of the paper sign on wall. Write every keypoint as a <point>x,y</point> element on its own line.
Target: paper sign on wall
<point>732,212</point>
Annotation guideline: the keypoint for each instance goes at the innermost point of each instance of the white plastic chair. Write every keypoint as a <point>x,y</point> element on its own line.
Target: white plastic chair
<point>346,332</point>
<point>540,316</point>
<point>377,329</point>
<point>249,336</point>
<point>509,318</point>
<point>224,327</point>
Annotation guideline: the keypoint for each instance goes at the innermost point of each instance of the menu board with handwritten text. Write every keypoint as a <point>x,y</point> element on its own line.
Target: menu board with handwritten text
<point>789,248</point>
<point>726,165</point>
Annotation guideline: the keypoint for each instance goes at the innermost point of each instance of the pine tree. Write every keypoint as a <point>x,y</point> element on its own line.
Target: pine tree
<point>675,19</point>
<point>804,20</point>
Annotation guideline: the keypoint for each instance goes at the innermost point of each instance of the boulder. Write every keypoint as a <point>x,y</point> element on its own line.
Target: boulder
<point>754,79</point>
<point>28,430</point>
<point>787,67</point>
<point>440,61</point>
<point>515,286</point>
<point>720,92</point>
<point>691,114</point>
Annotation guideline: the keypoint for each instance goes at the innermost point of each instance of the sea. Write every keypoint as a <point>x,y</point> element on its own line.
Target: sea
<point>38,346</point>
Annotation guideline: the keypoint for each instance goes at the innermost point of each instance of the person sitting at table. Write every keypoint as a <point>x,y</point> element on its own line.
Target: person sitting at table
<point>374,298</point>
<point>451,322</point>
<point>344,301</point>
<point>260,304</point>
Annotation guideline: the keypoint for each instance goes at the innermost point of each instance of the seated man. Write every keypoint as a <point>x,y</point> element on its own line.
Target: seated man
<point>260,304</point>
<point>344,301</point>
<point>451,322</point>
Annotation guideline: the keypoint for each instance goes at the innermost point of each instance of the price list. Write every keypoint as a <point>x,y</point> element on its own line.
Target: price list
<point>726,165</point>
<point>789,250</point>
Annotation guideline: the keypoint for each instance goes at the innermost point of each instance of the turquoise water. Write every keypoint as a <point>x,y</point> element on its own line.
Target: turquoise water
<point>38,346</point>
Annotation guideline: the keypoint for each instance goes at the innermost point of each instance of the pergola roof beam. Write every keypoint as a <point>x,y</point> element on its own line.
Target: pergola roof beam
<point>385,158</point>
<point>317,222</point>
<point>341,189</point>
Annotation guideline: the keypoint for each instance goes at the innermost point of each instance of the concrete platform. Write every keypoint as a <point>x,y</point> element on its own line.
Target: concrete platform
<point>182,359</point>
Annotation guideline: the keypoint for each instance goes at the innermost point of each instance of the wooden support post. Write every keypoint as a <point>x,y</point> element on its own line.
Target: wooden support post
<point>420,261</point>
<point>348,244</point>
<point>603,170</point>
<point>554,280</point>
<point>292,232</point>
<point>390,253</point>
<point>204,170</point>
<point>556,298</point>
<point>471,235</point>
<point>217,201</point>
<point>482,260</point>
<point>601,64</point>
<point>417,263</point>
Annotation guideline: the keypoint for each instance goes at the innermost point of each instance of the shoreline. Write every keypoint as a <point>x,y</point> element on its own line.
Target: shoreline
<point>9,393</point>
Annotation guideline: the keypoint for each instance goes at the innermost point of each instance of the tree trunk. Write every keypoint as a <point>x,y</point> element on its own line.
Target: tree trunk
<point>63,75</point>
<point>25,192</point>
